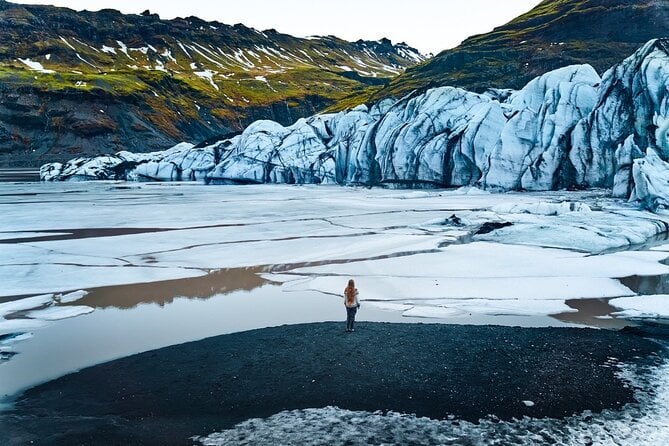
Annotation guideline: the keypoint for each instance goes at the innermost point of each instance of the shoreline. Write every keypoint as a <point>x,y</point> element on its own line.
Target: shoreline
<point>434,370</point>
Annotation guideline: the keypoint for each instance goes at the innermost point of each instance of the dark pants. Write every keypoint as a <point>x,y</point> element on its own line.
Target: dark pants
<point>350,317</point>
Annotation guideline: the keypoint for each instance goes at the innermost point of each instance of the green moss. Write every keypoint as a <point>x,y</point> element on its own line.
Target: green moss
<point>113,83</point>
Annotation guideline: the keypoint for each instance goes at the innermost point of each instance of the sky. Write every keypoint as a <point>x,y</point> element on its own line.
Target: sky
<point>428,25</point>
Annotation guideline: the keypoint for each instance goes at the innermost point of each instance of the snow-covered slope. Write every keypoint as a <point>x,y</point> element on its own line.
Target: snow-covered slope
<point>567,128</point>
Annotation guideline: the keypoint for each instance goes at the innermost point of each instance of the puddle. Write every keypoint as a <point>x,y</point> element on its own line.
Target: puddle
<point>598,312</point>
<point>593,313</point>
<point>114,331</point>
<point>222,281</point>
<point>76,234</point>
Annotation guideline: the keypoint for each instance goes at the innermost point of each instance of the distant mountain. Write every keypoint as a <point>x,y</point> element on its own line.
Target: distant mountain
<point>554,34</point>
<point>97,82</point>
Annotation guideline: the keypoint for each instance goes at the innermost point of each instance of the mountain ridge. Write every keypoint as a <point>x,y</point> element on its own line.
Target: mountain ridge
<point>555,33</point>
<point>97,82</point>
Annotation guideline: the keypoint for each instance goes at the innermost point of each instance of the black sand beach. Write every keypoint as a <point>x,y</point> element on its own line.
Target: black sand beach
<point>167,396</point>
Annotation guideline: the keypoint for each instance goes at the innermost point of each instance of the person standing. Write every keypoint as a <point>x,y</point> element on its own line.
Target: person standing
<point>352,304</point>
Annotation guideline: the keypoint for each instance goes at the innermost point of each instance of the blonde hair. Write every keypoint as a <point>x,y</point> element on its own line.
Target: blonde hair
<point>349,292</point>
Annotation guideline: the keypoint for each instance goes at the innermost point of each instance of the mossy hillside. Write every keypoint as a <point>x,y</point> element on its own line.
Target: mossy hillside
<point>186,89</point>
<point>554,34</point>
<point>143,105</point>
<point>163,81</point>
<point>107,40</point>
<point>361,95</point>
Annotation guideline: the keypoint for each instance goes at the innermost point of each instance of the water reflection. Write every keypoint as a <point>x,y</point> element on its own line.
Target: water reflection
<point>223,281</point>
<point>647,285</point>
<point>110,332</point>
<point>48,235</point>
<point>593,313</point>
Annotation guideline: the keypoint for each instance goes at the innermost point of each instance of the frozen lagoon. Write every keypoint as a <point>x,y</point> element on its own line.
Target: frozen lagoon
<point>165,263</point>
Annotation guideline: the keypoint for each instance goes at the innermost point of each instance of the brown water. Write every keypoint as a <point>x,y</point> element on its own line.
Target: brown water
<point>593,313</point>
<point>223,281</point>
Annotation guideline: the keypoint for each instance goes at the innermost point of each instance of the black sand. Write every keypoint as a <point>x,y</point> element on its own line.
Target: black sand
<point>168,395</point>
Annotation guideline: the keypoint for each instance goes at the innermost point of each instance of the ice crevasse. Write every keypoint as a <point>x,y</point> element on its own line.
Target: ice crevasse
<point>569,128</point>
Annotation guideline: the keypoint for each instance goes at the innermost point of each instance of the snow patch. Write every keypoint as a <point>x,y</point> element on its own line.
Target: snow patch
<point>124,49</point>
<point>67,43</point>
<point>208,75</point>
<point>35,66</point>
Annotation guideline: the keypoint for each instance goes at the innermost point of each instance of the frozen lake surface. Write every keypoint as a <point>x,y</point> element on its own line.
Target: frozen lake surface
<point>97,271</point>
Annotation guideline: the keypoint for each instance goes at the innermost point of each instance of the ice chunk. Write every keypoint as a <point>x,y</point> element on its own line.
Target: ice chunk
<point>25,304</point>
<point>71,297</point>
<point>643,307</point>
<point>60,312</point>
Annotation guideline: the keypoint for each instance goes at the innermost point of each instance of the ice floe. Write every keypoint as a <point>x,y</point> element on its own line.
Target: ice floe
<point>71,297</point>
<point>57,313</point>
<point>35,311</point>
<point>13,326</point>
<point>643,307</point>
<point>25,304</point>
<point>418,252</point>
<point>483,278</point>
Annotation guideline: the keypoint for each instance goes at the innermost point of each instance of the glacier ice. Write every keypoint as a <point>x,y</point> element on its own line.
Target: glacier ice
<point>568,128</point>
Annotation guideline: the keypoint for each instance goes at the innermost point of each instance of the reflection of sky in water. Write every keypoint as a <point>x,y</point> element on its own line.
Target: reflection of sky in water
<point>116,238</point>
<point>110,333</point>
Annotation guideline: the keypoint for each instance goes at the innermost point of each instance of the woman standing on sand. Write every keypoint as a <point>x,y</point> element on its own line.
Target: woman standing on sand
<point>351,303</point>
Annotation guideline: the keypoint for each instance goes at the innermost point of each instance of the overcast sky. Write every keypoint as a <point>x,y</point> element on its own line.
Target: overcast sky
<point>429,25</point>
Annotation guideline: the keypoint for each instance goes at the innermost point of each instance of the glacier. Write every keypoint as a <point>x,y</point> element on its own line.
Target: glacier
<point>567,129</point>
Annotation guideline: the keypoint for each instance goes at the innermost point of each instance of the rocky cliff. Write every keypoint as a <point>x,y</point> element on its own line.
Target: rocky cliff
<point>569,128</point>
<point>84,83</point>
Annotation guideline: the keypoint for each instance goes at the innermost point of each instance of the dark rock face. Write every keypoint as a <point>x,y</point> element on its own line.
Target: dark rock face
<point>93,83</point>
<point>43,126</point>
